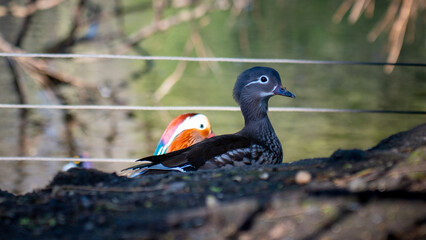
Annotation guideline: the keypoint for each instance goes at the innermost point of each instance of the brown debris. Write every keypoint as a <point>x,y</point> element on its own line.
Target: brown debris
<point>303,177</point>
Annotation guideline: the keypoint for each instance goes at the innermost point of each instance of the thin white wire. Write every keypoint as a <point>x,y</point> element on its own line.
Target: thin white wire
<point>115,107</point>
<point>133,57</point>
<point>170,58</point>
<point>199,59</point>
<point>67,159</point>
<point>197,108</point>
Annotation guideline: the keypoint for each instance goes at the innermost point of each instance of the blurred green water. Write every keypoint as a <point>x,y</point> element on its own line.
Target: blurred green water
<point>299,30</point>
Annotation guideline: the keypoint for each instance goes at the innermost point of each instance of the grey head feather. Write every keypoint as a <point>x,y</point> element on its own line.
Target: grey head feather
<point>251,75</point>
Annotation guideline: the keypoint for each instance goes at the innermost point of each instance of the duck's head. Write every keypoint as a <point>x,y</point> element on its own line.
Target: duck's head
<point>259,83</point>
<point>195,123</point>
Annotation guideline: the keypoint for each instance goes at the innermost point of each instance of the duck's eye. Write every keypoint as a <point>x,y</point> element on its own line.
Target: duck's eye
<point>264,79</point>
<point>201,126</point>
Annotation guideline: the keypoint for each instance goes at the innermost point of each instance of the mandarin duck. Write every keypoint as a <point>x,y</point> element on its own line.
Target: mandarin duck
<point>256,143</point>
<point>184,131</point>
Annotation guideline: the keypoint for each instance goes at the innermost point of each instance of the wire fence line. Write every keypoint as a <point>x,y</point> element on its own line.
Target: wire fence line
<point>184,108</point>
<point>205,59</point>
<point>68,159</point>
<point>199,108</point>
<point>119,108</point>
<point>165,108</point>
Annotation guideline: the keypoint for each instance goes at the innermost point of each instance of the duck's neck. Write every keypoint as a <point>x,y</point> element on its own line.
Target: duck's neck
<point>256,119</point>
<point>254,109</point>
<point>259,128</point>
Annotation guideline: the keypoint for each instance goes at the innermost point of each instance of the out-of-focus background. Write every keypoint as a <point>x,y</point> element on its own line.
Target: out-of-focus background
<point>349,30</point>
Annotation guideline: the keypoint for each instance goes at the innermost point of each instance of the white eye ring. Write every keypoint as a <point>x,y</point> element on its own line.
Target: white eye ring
<point>263,79</point>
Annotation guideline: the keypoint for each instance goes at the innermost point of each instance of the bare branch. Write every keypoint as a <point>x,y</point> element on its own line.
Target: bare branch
<point>163,25</point>
<point>29,9</point>
<point>385,21</point>
<point>396,36</point>
<point>203,51</point>
<point>357,9</point>
<point>342,10</point>
<point>400,16</point>
<point>171,80</point>
<point>40,66</point>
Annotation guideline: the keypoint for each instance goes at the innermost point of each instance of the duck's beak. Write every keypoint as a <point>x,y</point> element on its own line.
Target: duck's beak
<point>283,92</point>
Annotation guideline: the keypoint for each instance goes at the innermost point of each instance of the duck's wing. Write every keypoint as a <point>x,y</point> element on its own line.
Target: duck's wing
<point>211,153</point>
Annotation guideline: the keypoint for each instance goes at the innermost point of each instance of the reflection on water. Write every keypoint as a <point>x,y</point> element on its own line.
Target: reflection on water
<point>282,29</point>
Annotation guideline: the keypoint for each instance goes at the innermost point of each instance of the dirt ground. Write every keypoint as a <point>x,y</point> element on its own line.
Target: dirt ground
<point>379,193</point>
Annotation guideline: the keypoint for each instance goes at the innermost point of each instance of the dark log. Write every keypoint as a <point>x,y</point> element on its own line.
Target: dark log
<point>354,194</point>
